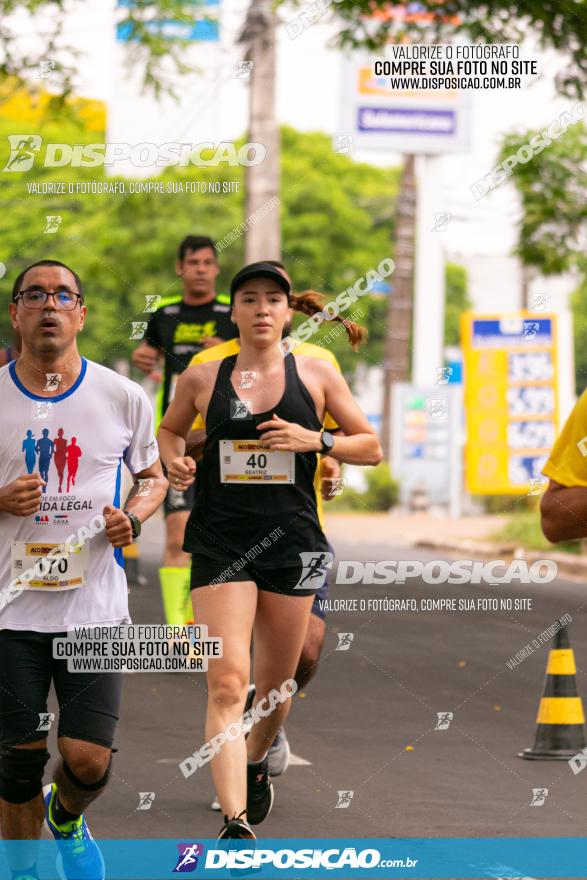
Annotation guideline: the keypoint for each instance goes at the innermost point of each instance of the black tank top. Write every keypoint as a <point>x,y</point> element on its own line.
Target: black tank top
<point>237,518</point>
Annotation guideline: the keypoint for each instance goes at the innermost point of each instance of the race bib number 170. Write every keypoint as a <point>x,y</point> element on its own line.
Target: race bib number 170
<point>66,571</point>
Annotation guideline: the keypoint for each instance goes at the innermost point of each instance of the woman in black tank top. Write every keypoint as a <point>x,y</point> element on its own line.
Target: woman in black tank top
<point>258,551</point>
<point>258,498</point>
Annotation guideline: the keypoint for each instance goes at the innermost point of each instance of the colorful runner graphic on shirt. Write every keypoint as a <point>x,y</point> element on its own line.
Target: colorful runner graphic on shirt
<point>60,456</point>
<point>58,450</point>
<point>73,457</point>
<point>45,449</point>
<point>28,447</point>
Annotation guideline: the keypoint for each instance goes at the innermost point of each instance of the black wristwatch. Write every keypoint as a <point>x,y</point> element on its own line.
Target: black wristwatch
<point>135,524</point>
<point>327,442</point>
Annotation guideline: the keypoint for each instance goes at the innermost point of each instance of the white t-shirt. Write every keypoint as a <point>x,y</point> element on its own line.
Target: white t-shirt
<point>77,441</point>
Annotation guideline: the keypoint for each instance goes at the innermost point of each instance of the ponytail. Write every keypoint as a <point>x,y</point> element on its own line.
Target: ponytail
<point>310,302</point>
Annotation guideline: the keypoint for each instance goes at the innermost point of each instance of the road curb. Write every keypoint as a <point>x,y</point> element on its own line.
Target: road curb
<point>568,563</point>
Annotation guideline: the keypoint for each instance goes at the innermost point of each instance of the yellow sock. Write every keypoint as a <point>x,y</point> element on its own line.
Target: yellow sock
<point>175,592</point>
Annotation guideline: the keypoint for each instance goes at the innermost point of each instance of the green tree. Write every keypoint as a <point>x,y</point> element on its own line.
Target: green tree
<point>552,231</point>
<point>124,246</point>
<point>337,222</point>
<point>579,310</point>
<point>158,57</point>
<point>370,24</point>
<point>457,302</point>
<point>553,192</point>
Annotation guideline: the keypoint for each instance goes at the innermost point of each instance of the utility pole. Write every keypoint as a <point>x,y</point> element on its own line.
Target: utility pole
<point>262,182</point>
<point>396,359</point>
<point>527,274</point>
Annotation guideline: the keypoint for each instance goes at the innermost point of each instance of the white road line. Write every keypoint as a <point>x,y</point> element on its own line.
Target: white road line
<point>296,761</point>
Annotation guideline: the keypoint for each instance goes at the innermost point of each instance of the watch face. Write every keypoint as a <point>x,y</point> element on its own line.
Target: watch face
<point>327,440</point>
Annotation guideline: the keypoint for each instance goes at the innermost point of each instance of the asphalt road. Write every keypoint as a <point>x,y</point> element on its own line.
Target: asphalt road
<point>367,723</point>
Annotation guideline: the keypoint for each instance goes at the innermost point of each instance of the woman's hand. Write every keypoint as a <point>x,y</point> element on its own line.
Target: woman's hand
<point>289,436</point>
<point>181,473</point>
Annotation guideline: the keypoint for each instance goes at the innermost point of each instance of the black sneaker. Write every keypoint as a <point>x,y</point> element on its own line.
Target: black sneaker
<point>236,829</point>
<point>259,792</point>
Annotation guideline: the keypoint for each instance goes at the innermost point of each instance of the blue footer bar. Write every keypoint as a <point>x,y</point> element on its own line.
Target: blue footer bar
<point>295,858</point>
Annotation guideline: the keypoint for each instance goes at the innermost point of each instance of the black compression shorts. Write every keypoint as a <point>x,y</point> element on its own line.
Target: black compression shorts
<point>317,608</point>
<point>88,701</point>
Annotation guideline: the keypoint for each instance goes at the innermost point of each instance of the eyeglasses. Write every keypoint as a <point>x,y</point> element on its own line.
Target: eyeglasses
<point>36,297</point>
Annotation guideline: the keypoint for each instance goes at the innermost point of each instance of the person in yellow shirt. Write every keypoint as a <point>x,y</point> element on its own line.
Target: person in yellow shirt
<point>564,504</point>
<point>180,327</point>
<point>326,482</point>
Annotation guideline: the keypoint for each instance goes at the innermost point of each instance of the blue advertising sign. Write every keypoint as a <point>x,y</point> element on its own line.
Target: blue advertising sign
<point>204,26</point>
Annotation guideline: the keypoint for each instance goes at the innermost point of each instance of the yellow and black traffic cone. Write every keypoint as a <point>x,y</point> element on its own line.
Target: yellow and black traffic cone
<point>560,733</point>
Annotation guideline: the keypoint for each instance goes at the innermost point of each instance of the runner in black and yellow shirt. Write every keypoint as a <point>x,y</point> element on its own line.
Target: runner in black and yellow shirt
<point>181,327</point>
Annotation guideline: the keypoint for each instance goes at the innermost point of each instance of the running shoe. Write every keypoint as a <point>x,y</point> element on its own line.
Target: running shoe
<point>259,792</point>
<point>278,754</point>
<point>215,805</point>
<point>79,857</point>
<point>236,829</point>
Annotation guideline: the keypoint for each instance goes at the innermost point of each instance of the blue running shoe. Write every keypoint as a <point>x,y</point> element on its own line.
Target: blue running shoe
<point>79,857</point>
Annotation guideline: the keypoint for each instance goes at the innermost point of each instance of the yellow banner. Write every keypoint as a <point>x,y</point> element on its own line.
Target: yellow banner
<point>511,399</point>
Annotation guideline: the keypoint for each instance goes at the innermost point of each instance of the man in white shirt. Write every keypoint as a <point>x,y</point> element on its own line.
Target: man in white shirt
<point>67,426</point>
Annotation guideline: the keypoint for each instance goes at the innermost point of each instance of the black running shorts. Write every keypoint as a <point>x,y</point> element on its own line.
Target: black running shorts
<point>208,570</point>
<point>88,702</point>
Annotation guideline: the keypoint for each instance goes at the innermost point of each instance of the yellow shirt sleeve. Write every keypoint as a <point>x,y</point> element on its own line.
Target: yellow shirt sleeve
<point>329,425</point>
<point>567,463</point>
<point>215,353</point>
<point>308,349</point>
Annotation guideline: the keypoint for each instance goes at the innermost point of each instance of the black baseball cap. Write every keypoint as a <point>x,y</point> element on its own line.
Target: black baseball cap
<point>259,270</point>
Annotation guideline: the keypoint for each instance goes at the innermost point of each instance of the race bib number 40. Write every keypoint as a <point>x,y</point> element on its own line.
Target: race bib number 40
<point>251,462</point>
<point>65,571</point>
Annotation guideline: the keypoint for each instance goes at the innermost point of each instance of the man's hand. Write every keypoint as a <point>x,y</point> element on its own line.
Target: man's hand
<point>181,473</point>
<point>145,357</point>
<point>118,526</point>
<point>210,341</point>
<point>22,497</point>
<point>330,474</point>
